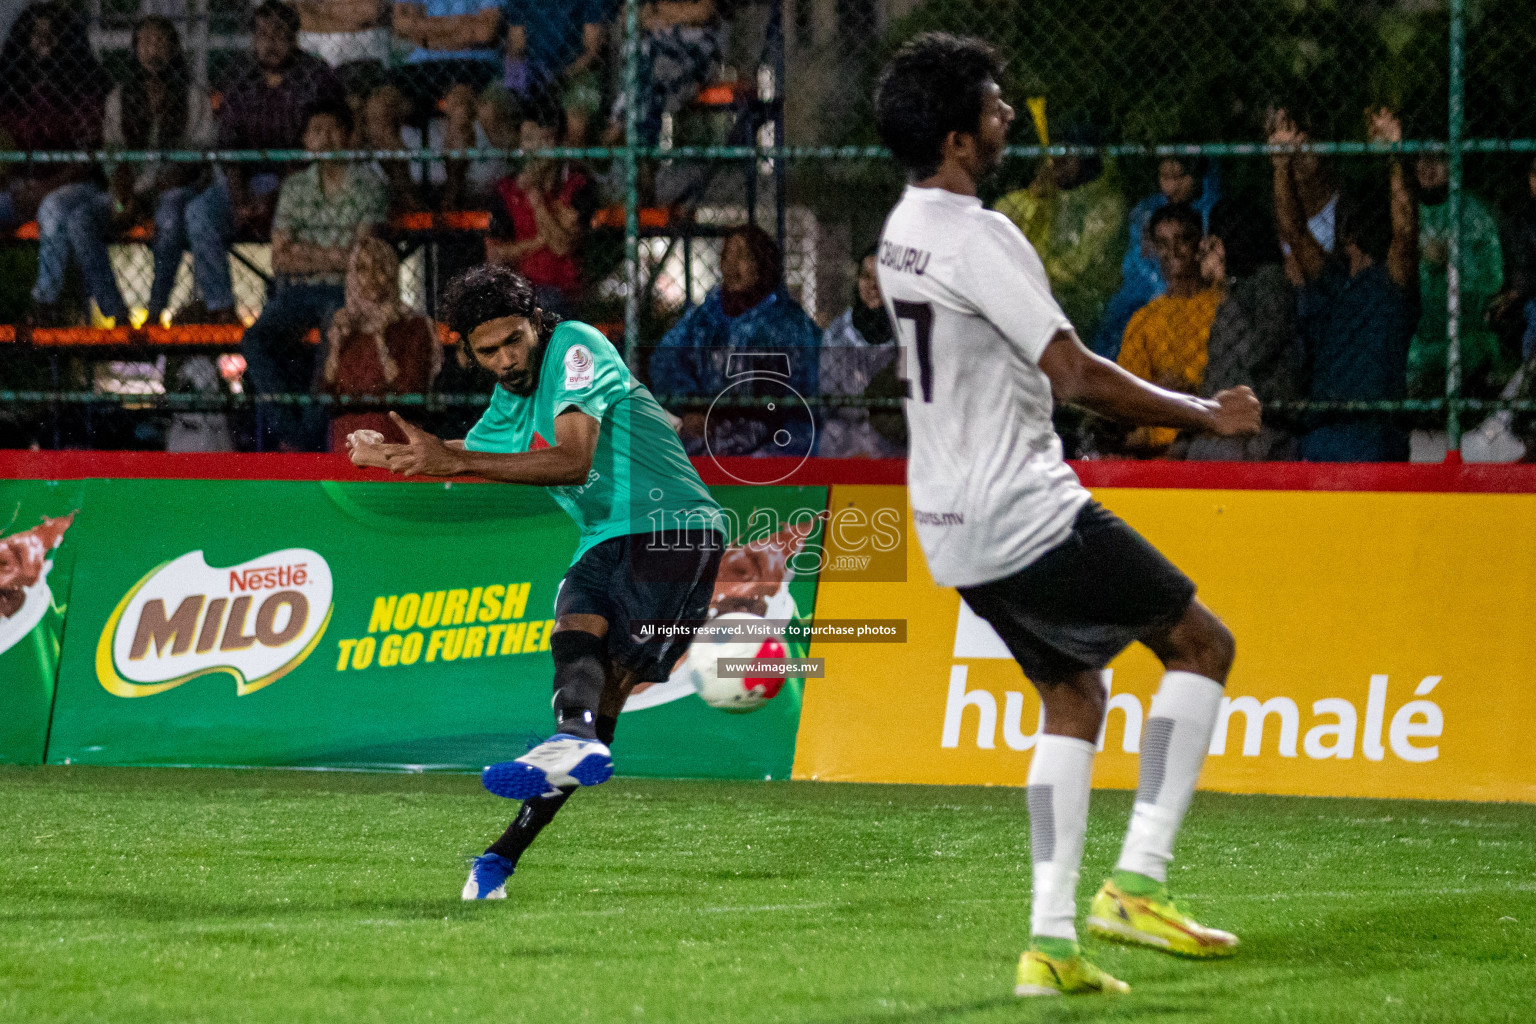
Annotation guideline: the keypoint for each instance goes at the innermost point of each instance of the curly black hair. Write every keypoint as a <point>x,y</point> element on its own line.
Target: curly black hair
<point>932,86</point>
<point>489,292</point>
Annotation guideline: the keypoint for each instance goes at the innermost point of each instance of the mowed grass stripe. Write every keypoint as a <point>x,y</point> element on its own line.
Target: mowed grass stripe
<point>141,895</point>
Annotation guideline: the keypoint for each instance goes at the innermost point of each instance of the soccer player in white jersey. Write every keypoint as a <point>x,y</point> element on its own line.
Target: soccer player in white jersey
<point>1066,584</point>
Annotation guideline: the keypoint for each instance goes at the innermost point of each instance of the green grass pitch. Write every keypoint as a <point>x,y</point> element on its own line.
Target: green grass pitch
<point>131,895</point>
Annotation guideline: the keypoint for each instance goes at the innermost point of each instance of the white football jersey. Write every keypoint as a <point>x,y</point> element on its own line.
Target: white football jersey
<point>974,312</point>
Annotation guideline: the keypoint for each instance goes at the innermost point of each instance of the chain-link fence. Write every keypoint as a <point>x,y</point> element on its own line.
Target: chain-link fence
<point>1203,182</point>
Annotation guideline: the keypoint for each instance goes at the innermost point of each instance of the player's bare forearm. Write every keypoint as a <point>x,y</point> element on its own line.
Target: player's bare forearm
<point>1079,377</point>
<point>1113,391</point>
<point>568,461</point>
<point>547,467</point>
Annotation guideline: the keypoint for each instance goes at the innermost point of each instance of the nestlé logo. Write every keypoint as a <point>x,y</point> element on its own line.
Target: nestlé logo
<point>256,621</point>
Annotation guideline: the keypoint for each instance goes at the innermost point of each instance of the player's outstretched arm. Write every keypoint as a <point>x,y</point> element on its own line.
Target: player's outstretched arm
<point>1079,377</point>
<point>368,448</point>
<point>567,462</point>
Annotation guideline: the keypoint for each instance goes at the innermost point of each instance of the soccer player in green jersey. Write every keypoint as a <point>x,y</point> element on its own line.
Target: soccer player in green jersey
<point>568,415</point>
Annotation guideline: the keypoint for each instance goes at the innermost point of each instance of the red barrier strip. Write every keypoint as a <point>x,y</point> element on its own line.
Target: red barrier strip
<point>79,465</point>
<point>1293,476</point>
<point>224,335</point>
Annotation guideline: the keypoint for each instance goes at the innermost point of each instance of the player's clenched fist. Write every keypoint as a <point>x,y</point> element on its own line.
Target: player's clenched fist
<point>1237,412</point>
<point>422,454</point>
<point>367,448</point>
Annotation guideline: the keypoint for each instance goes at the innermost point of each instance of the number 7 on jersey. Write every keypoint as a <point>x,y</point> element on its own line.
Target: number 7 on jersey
<point>921,315</point>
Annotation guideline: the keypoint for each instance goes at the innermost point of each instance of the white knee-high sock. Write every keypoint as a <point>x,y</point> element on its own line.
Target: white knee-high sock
<point>1173,747</point>
<point>1059,780</point>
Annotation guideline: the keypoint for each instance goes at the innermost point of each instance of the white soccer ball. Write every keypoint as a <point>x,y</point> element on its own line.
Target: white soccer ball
<point>731,694</point>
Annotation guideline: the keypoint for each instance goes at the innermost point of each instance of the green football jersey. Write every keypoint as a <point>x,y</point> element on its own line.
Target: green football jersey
<point>641,480</point>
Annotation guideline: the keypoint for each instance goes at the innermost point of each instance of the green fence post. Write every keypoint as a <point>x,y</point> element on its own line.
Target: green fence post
<point>1456,127</point>
<point>631,184</point>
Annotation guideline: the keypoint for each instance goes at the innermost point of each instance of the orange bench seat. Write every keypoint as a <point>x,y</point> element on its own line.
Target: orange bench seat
<point>448,220</point>
<point>218,335</point>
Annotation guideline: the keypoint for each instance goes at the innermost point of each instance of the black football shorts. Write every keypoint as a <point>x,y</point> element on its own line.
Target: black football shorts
<point>628,580</point>
<point>1085,600</point>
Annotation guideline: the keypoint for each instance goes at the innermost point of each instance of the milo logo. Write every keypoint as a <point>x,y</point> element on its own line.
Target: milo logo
<point>256,622</point>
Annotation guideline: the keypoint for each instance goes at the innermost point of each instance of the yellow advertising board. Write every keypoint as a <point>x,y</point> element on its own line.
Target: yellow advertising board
<point>1384,648</point>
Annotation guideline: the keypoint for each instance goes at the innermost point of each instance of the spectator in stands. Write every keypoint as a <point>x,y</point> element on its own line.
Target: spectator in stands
<point>376,345</point>
<point>750,311</point>
<point>352,36</point>
<point>1514,309</point>
<point>552,46</point>
<point>541,214</point>
<point>456,55</point>
<point>1179,180</point>
<point>1073,213</point>
<point>681,46</point>
<point>1483,369</point>
<point>1357,309</point>
<point>1314,182</point>
<point>321,213</point>
<point>264,108</point>
<point>51,97</point>
<point>160,108</point>
<point>1165,342</point>
<point>1253,338</point>
<point>858,357</point>
<point>35,108</point>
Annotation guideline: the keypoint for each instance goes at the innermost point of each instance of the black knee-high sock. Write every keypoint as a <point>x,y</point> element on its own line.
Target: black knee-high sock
<point>579,680</point>
<point>540,810</point>
<point>530,821</point>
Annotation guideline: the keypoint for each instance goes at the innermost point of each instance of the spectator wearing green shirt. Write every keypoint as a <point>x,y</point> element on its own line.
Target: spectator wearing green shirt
<point>321,213</point>
<point>1482,276</point>
<point>1074,214</point>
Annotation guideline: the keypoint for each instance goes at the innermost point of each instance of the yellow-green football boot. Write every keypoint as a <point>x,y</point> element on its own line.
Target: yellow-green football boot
<point>1153,922</point>
<point>1041,974</point>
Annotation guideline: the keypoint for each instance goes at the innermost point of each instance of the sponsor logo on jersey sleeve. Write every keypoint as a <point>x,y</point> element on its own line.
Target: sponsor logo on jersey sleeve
<point>579,368</point>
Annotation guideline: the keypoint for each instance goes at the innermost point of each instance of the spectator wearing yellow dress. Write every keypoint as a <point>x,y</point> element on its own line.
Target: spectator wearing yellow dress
<point>1166,340</point>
